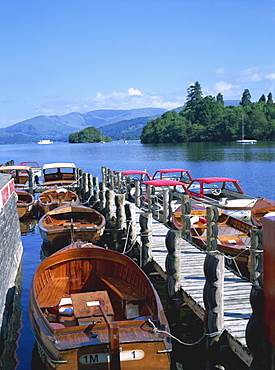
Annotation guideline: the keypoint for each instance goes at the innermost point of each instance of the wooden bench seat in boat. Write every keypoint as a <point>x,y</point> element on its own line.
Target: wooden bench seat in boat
<point>132,300</point>
<point>122,289</point>
<point>52,293</point>
<point>231,240</point>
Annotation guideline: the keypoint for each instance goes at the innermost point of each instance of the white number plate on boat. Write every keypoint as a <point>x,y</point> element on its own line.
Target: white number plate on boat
<point>99,358</point>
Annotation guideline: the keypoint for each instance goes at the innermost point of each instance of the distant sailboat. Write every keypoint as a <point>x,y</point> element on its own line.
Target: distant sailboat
<point>247,141</point>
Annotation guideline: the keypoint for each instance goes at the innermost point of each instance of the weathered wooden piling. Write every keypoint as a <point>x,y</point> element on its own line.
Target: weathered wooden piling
<point>166,206</point>
<point>109,206</point>
<point>131,234</point>
<point>102,198</point>
<point>185,217</point>
<point>172,263</point>
<point>138,201</point>
<point>120,219</point>
<point>96,193</point>
<point>145,221</point>
<point>120,183</point>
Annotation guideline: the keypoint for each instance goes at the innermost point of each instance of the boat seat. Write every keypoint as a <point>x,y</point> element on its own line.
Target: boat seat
<point>52,293</point>
<point>122,288</point>
<point>231,240</point>
<point>57,325</point>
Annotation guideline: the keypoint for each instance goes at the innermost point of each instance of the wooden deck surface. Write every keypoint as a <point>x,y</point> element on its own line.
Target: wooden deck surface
<point>237,308</point>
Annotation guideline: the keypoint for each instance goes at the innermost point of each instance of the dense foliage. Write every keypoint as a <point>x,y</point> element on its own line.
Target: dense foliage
<point>207,119</point>
<point>88,135</point>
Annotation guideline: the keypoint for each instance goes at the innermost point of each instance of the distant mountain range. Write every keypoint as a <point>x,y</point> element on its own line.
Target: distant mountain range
<point>117,124</point>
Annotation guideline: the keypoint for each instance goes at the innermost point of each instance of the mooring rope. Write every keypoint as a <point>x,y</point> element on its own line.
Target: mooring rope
<point>156,330</point>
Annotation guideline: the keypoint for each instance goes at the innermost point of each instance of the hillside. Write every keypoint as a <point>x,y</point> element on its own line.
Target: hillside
<point>58,128</point>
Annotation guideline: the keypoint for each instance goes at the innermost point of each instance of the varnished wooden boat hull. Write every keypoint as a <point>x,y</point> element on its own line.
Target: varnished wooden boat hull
<point>24,203</point>
<point>114,335</point>
<point>233,236</point>
<point>261,208</point>
<point>56,197</point>
<point>68,223</point>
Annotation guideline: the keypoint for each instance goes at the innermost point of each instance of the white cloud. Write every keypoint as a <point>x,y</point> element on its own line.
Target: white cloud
<point>270,76</point>
<point>226,89</point>
<point>133,91</point>
<point>220,70</point>
<point>250,75</point>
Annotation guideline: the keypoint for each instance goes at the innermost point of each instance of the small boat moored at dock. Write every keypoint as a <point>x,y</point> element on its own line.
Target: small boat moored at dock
<point>35,166</point>
<point>173,174</point>
<point>24,203</point>
<point>69,223</point>
<point>56,197</point>
<point>59,174</point>
<point>19,173</point>
<point>224,193</point>
<point>233,234</point>
<point>92,307</point>
<point>263,207</point>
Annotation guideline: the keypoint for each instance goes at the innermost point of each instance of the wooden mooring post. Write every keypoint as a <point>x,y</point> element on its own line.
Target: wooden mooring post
<point>145,221</point>
<point>120,220</point>
<point>172,262</point>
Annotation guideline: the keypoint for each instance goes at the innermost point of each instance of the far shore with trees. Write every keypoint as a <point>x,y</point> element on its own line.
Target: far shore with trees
<point>207,119</point>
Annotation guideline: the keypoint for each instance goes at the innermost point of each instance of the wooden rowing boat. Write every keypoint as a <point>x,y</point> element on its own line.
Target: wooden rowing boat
<point>24,204</point>
<point>68,223</point>
<point>261,208</point>
<point>233,236</point>
<point>56,197</point>
<point>94,308</point>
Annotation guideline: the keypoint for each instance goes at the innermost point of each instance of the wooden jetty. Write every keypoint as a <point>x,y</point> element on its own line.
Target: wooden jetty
<point>237,308</point>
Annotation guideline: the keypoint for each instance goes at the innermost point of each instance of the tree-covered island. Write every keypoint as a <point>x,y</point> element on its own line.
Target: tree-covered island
<point>88,135</point>
<point>207,119</point>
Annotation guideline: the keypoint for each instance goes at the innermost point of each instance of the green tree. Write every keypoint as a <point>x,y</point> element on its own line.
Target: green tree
<point>269,99</point>
<point>219,99</point>
<point>262,98</point>
<point>194,95</point>
<point>246,98</point>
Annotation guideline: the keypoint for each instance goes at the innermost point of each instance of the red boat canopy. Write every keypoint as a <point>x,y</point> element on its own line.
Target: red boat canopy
<point>168,170</point>
<point>135,172</point>
<point>164,183</point>
<point>210,180</point>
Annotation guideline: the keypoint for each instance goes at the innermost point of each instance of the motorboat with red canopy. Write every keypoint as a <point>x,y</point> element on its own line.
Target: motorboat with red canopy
<point>173,174</point>
<point>224,193</point>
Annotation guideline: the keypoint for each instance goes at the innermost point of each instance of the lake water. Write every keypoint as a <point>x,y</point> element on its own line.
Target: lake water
<point>253,164</point>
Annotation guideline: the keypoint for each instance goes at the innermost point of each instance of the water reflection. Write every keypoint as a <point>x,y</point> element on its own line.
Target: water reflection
<point>27,226</point>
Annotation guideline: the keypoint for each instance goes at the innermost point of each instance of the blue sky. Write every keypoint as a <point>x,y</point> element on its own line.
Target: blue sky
<point>62,56</point>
